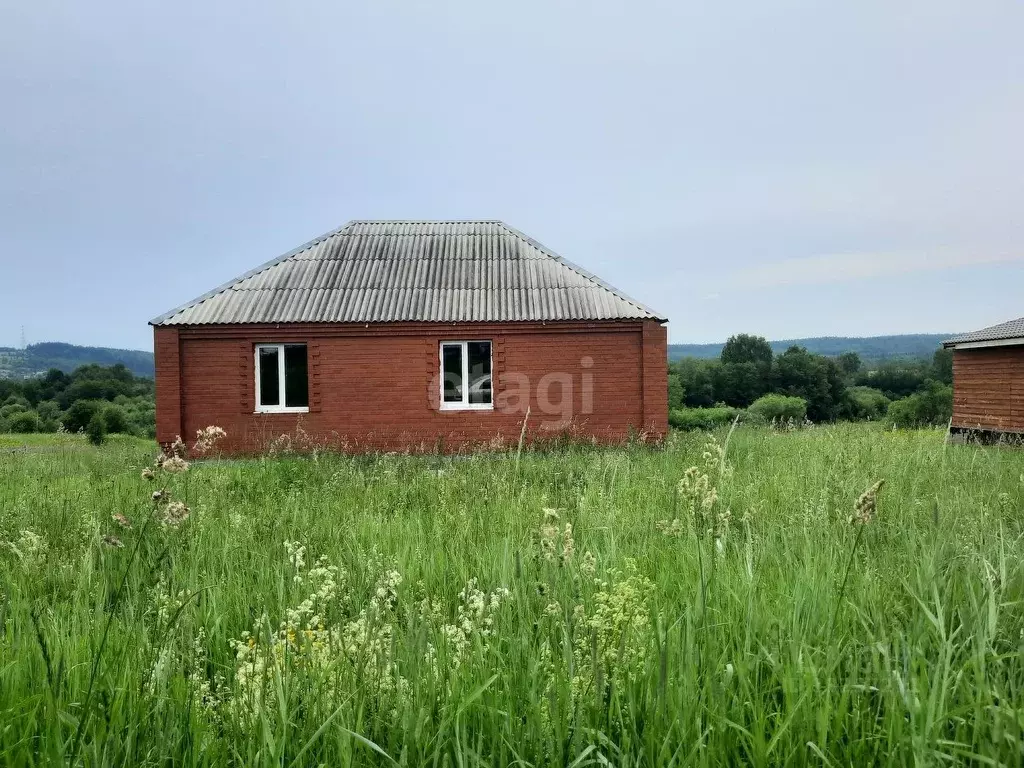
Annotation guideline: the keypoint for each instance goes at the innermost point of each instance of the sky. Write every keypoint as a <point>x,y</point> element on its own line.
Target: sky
<point>788,169</point>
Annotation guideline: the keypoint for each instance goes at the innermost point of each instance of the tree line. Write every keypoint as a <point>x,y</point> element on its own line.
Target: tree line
<point>798,385</point>
<point>748,378</point>
<point>93,398</point>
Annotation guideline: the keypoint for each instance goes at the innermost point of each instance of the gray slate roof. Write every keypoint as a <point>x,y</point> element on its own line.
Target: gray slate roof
<point>1014,329</point>
<point>430,271</point>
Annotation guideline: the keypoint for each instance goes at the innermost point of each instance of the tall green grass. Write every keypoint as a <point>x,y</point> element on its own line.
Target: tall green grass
<point>778,643</point>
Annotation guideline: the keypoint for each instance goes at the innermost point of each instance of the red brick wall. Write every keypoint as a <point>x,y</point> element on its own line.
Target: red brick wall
<point>655,378</point>
<point>988,390</point>
<point>376,387</point>
<point>167,351</point>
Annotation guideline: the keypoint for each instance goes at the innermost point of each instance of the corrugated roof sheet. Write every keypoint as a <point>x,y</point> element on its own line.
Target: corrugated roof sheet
<point>1014,329</point>
<point>429,271</point>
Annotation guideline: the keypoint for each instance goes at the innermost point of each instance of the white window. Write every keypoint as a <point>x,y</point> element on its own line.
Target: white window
<point>282,378</point>
<point>466,375</point>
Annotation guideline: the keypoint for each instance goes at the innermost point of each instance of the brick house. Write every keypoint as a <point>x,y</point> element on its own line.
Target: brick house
<point>988,381</point>
<point>399,335</point>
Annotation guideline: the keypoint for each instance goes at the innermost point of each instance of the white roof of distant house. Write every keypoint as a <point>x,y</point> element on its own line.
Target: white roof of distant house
<point>421,271</point>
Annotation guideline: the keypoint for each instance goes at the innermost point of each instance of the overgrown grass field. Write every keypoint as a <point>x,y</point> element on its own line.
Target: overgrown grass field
<point>633,606</point>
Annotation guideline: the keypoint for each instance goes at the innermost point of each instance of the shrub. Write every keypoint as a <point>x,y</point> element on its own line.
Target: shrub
<point>932,406</point>
<point>697,379</point>
<point>17,400</point>
<point>96,429</point>
<point>898,378</point>
<point>11,410</point>
<point>740,384</point>
<point>80,413</point>
<point>778,408</point>
<point>49,415</point>
<point>116,420</point>
<point>702,418</point>
<point>24,422</point>
<point>868,403</point>
<point>48,410</point>
<point>676,391</point>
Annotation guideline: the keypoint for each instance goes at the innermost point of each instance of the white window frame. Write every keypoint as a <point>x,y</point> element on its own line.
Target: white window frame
<point>281,407</point>
<point>464,404</point>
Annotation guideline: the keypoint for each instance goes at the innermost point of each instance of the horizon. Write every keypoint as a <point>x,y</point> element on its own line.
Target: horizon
<point>856,173</point>
<point>670,344</point>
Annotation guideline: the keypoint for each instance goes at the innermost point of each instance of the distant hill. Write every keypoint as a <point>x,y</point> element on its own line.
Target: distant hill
<point>874,348</point>
<point>39,358</point>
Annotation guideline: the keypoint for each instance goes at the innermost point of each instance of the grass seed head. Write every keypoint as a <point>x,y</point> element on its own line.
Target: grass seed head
<point>866,506</point>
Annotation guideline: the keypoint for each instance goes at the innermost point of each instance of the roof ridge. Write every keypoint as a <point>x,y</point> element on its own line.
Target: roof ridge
<point>426,221</point>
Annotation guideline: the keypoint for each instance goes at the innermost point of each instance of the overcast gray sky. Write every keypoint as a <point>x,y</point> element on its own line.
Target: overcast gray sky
<point>782,168</point>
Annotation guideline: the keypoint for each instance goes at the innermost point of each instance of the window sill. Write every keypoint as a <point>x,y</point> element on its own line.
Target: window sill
<point>281,410</point>
<point>448,407</point>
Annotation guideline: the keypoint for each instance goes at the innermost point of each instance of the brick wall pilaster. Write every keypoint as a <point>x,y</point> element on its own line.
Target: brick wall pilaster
<point>654,354</point>
<point>167,353</point>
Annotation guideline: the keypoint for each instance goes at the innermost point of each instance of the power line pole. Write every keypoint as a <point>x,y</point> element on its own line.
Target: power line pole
<point>23,344</point>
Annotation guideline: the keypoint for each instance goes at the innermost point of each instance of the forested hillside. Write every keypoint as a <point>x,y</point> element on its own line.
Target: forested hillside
<point>37,359</point>
<point>869,349</point>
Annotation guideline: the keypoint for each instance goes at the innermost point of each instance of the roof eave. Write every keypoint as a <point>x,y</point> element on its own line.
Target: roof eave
<point>162,323</point>
<point>1013,341</point>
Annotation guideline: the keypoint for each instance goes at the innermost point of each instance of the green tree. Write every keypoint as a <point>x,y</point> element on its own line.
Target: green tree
<point>78,416</point>
<point>8,388</point>
<point>54,396</point>
<point>745,348</point>
<point>896,379</point>
<point>816,379</point>
<point>850,363</point>
<point>96,429</point>
<point>942,366</point>
<point>53,382</point>
<point>49,415</point>
<point>740,384</point>
<point>698,381</point>
<point>17,399</point>
<point>116,420</point>
<point>24,423</point>
<point>12,409</point>
<point>867,403</point>
<point>31,390</point>
<point>48,410</point>
<point>745,373</point>
<point>931,406</point>
<point>676,391</point>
